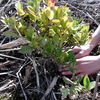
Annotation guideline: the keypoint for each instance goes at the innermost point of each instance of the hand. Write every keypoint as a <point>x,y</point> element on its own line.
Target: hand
<point>82,51</point>
<point>86,65</point>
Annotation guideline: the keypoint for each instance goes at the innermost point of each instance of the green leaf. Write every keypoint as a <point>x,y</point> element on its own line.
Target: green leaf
<point>19,8</point>
<point>85,29</point>
<point>12,22</point>
<point>10,33</point>
<point>71,69</point>
<point>44,17</point>
<point>64,92</point>
<point>32,13</point>
<point>71,54</point>
<point>92,85</point>
<point>74,92</point>
<point>73,62</point>
<point>25,49</point>
<point>49,13</point>
<point>64,21</point>
<point>43,41</point>
<point>86,82</point>
<point>79,79</point>
<point>63,39</point>
<point>58,52</point>
<point>30,33</point>
<point>30,3</point>
<point>49,47</point>
<point>66,57</point>
<point>56,39</point>
<point>60,12</point>
<point>55,29</point>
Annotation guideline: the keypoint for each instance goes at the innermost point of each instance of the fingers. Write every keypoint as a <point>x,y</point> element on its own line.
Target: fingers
<point>85,59</point>
<point>66,73</point>
<point>79,55</point>
<point>76,49</point>
<point>81,74</point>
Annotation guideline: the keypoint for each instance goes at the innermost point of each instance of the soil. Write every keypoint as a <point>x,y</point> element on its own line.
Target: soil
<point>18,77</point>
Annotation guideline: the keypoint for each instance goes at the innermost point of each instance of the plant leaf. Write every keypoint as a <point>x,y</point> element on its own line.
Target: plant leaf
<point>49,13</point>
<point>71,69</point>
<point>56,39</point>
<point>19,9</point>
<point>64,92</point>
<point>49,47</point>
<point>92,85</point>
<point>10,33</point>
<point>25,49</point>
<point>86,82</point>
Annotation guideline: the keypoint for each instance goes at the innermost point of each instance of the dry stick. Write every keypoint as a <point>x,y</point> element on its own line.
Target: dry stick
<point>18,48</point>
<point>53,83</point>
<point>5,6</point>
<point>14,43</point>
<point>3,41</point>
<point>22,87</point>
<point>37,75</point>
<point>96,86</point>
<point>53,94</point>
<point>6,63</point>
<point>3,29</point>
<point>11,57</point>
<point>71,82</point>
<point>4,86</point>
<point>9,87</point>
<point>20,80</point>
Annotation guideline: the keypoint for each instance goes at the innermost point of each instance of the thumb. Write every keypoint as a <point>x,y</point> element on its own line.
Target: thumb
<point>76,49</point>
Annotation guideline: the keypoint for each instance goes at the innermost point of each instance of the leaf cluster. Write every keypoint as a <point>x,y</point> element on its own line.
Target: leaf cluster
<point>73,91</point>
<point>50,29</point>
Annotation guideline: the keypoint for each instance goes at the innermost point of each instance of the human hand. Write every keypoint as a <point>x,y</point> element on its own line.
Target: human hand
<point>81,51</point>
<point>86,65</point>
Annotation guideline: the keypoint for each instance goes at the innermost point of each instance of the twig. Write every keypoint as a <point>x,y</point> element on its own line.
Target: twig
<point>4,86</point>
<point>6,63</point>
<point>3,41</point>
<point>14,43</point>
<point>96,86</point>
<point>18,48</point>
<point>55,98</point>
<point>53,83</point>
<point>37,75</point>
<point>71,82</point>
<point>22,87</point>
<point>3,29</point>
<point>11,57</point>
<point>5,6</point>
<point>20,80</point>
